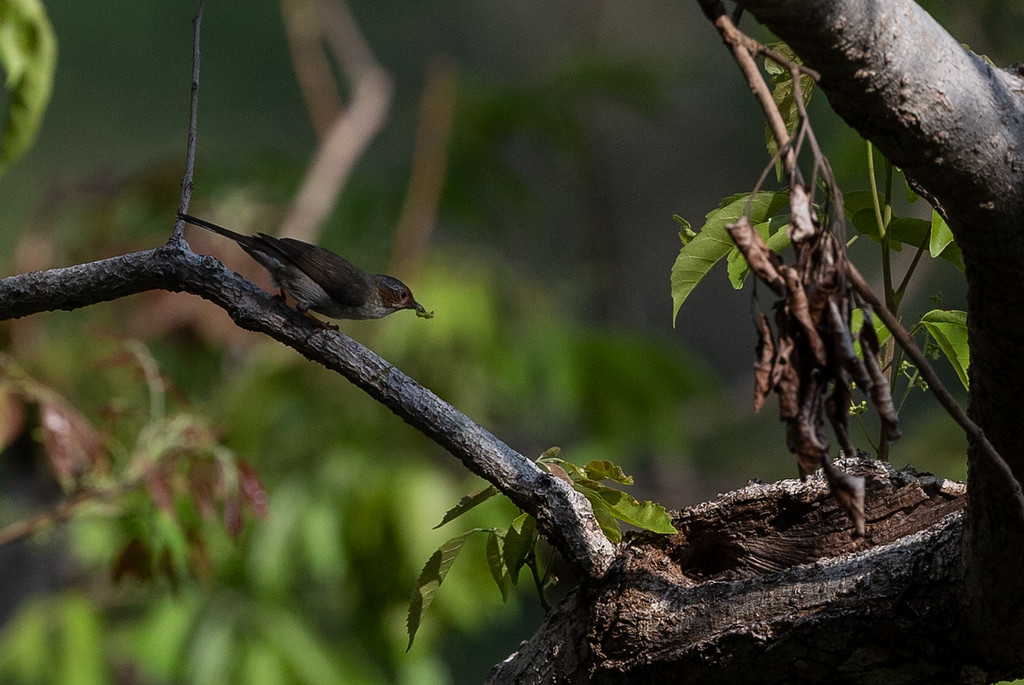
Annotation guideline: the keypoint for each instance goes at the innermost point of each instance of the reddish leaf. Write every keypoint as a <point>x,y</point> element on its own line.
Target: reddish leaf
<point>251,487</point>
<point>204,483</point>
<point>199,556</point>
<point>161,489</point>
<point>12,417</point>
<point>233,516</point>
<point>72,446</point>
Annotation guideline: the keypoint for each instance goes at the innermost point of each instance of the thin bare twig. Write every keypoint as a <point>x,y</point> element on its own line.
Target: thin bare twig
<point>178,236</point>
<point>62,511</point>
<point>743,49</point>
<point>304,31</point>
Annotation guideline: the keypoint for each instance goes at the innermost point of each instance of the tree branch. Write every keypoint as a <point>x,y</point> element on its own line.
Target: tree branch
<point>563,514</point>
<point>178,235</point>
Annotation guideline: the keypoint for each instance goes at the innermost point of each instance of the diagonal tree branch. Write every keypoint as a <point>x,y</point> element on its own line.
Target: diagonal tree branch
<point>563,514</point>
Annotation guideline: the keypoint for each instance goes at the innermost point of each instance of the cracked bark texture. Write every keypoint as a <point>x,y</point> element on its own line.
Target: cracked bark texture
<point>760,586</point>
<point>767,585</point>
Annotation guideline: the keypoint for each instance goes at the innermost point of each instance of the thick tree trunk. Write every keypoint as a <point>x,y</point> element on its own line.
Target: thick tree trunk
<point>765,585</point>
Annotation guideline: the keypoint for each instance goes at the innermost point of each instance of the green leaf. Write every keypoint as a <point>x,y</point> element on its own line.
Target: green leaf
<point>603,514</point>
<point>549,453</point>
<point>467,503</point>
<point>606,470</point>
<point>949,328</point>
<point>310,658</point>
<point>431,577</point>
<point>857,321</point>
<point>575,472</point>
<point>28,55</point>
<point>686,233</point>
<point>712,243</point>
<point>496,564</point>
<point>647,515</point>
<point>940,236</point>
<point>782,94</point>
<point>519,542</point>
<point>776,239</point>
<point>906,231</point>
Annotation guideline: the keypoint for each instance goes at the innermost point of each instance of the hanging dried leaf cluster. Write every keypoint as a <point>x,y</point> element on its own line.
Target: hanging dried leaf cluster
<point>809,359</point>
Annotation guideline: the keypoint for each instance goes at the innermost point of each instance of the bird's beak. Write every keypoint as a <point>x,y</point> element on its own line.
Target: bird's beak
<point>421,311</point>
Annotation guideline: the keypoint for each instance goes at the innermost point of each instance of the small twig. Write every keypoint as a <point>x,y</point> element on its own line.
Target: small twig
<point>62,511</point>
<point>178,236</point>
<point>901,291</point>
<point>538,581</point>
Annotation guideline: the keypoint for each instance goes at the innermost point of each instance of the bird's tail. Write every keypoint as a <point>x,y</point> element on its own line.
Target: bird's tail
<point>227,233</point>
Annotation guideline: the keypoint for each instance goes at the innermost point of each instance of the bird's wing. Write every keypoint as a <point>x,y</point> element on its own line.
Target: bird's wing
<point>343,281</point>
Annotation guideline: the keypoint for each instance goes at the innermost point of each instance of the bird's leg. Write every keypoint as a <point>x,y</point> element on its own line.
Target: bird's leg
<point>320,323</point>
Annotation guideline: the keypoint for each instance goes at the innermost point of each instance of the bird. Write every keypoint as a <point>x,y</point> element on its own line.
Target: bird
<point>320,280</point>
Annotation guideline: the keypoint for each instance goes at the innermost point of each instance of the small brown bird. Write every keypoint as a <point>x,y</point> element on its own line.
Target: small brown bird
<point>320,280</point>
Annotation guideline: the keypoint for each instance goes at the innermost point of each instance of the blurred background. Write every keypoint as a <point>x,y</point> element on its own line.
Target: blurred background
<point>519,165</point>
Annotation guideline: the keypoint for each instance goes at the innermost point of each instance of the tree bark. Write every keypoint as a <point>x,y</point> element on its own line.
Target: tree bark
<point>768,585</point>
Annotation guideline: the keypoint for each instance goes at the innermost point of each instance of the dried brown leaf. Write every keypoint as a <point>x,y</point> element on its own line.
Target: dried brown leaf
<point>880,395</point>
<point>837,408</point>
<point>785,379</point>
<point>842,346</point>
<point>765,361</point>
<point>797,308</point>
<point>802,218</point>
